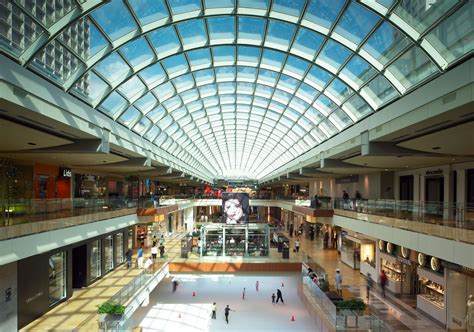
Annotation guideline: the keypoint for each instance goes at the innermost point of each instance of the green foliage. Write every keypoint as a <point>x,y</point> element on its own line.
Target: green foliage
<point>111,307</point>
<point>351,304</point>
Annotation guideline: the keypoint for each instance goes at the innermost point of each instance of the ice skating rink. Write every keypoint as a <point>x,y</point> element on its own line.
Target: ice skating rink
<point>183,312</point>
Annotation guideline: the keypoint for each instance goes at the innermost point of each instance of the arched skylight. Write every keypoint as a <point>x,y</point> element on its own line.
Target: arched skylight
<point>238,90</point>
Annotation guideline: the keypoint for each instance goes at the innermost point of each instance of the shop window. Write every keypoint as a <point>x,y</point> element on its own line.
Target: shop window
<point>57,277</point>
<point>119,247</point>
<point>108,253</point>
<point>95,261</point>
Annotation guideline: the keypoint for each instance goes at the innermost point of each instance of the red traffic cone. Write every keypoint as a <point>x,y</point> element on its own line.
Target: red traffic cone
<point>282,285</point>
<point>292,318</point>
<point>194,294</point>
<point>179,315</point>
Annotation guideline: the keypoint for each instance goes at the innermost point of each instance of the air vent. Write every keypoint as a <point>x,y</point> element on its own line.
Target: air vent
<point>34,122</point>
<point>449,98</point>
<point>353,141</point>
<point>433,126</point>
<point>378,129</point>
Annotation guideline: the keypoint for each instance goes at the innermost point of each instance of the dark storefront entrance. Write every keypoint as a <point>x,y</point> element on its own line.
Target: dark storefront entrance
<point>79,266</point>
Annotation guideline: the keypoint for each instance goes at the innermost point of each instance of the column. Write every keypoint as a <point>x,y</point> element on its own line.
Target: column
<point>448,211</point>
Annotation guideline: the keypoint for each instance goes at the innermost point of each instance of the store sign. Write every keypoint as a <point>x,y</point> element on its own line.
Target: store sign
<point>347,179</point>
<point>434,172</point>
<point>65,172</point>
<point>404,260</point>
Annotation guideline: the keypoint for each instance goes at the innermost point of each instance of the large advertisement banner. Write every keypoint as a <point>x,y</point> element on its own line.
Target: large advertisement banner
<point>235,207</point>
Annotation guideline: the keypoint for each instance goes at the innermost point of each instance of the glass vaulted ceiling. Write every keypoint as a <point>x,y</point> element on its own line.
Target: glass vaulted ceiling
<point>238,88</point>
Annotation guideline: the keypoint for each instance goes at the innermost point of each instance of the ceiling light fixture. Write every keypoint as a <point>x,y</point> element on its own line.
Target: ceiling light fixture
<point>31,143</point>
<point>436,148</point>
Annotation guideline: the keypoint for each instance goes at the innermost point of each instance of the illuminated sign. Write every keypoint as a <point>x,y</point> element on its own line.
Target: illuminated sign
<point>65,172</point>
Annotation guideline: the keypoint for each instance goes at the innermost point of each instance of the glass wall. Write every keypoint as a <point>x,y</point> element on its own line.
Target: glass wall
<point>108,253</point>
<point>119,247</point>
<point>57,277</point>
<point>130,238</point>
<point>235,240</point>
<point>95,261</point>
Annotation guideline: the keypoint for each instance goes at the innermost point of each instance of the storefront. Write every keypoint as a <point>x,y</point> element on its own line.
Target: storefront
<point>235,240</point>
<point>400,269</point>
<point>90,186</point>
<point>350,249</point>
<point>431,292</point>
<point>45,280</point>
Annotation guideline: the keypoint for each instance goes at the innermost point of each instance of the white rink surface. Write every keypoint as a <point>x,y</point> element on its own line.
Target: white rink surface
<point>255,313</point>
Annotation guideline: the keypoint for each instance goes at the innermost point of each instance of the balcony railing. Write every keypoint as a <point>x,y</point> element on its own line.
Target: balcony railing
<point>451,215</point>
<point>21,211</point>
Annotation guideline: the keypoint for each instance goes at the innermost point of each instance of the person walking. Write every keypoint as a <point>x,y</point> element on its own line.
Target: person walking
<point>256,286</point>
<point>383,282</point>
<point>273,298</point>
<point>140,257</point>
<point>154,240</point>
<point>369,285</point>
<point>148,264</point>
<point>175,285</point>
<point>199,246</point>
<point>338,282</point>
<point>297,245</point>
<point>154,252</point>
<point>243,294</point>
<point>279,297</point>
<point>214,310</point>
<point>162,251</point>
<point>128,256</point>
<point>227,310</point>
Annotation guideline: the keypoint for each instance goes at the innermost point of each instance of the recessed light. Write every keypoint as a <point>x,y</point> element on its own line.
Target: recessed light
<point>406,166</point>
<point>436,148</point>
<point>386,169</point>
<point>104,161</point>
<point>31,143</point>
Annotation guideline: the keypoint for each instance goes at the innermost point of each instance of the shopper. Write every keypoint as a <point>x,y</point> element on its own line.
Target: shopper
<point>154,240</point>
<point>140,257</point>
<point>369,285</point>
<point>175,285</point>
<point>243,294</point>
<point>128,256</point>
<point>148,264</point>
<point>279,297</point>
<point>162,251</point>
<point>199,246</point>
<point>383,282</point>
<point>297,245</point>
<point>226,313</point>
<point>154,252</point>
<point>256,286</point>
<point>338,282</point>
<point>273,298</point>
<point>214,310</point>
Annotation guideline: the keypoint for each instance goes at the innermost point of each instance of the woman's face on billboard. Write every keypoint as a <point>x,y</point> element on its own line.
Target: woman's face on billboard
<point>233,211</point>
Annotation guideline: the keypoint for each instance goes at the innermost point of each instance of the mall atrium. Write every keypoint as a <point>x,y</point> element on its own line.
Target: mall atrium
<point>324,148</point>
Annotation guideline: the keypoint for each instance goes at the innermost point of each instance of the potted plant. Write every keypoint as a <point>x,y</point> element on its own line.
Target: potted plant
<point>354,304</point>
<point>110,309</point>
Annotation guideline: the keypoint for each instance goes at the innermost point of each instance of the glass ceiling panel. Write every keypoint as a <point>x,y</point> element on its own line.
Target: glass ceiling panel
<point>137,52</point>
<point>321,14</point>
<point>454,37</point>
<point>412,67</point>
<point>221,29</point>
<point>356,23</point>
<point>149,11</point>
<point>420,15</point>
<point>193,33</point>
<point>114,19</point>
<point>251,97</point>
<point>112,68</point>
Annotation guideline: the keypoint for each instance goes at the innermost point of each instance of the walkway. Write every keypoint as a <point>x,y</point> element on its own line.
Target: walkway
<point>71,314</point>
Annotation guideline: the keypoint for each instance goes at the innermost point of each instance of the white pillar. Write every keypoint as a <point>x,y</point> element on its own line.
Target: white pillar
<point>461,186</point>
